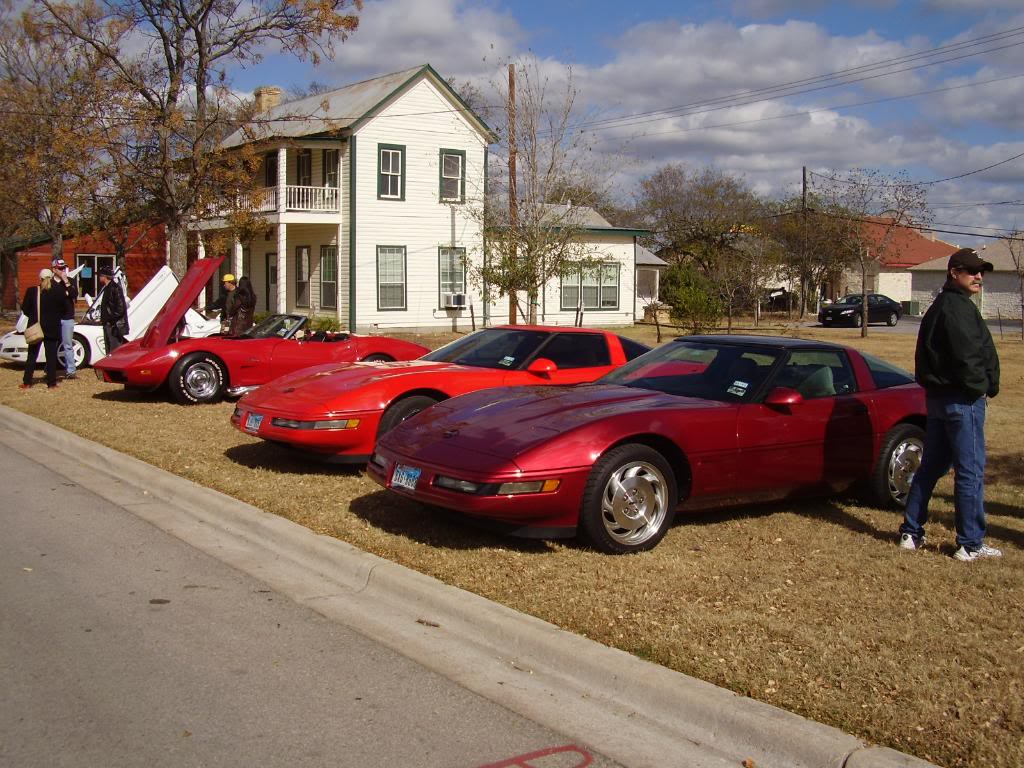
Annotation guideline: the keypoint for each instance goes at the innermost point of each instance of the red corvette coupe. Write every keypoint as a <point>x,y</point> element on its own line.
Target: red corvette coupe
<point>204,370</point>
<point>702,421</point>
<point>338,411</point>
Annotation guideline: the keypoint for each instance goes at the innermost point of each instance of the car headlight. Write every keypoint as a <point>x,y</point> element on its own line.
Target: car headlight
<point>530,486</point>
<point>848,311</point>
<point>455,484</point>
<point>336,424</point>
<point>324,424</point>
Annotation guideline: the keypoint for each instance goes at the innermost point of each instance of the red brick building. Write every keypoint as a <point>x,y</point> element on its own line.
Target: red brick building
<point>141,261</point>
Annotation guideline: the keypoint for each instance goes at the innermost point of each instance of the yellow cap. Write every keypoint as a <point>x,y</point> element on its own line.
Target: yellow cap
<point>228,278</point>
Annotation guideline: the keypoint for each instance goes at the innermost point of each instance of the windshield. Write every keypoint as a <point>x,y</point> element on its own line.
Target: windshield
<point>491,348</point>
<point>282,326</point>
<point>849,300</point>
<point>724,372</point>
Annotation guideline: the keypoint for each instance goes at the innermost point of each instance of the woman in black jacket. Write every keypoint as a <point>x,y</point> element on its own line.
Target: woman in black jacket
<point>43,304</point>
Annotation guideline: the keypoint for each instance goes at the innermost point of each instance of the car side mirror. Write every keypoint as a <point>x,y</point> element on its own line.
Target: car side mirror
<point>783,398</point>
<point>542,366</point>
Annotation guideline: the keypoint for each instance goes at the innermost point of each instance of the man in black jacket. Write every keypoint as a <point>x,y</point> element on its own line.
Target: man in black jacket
<point>957,364</point>
<point>113,310</point>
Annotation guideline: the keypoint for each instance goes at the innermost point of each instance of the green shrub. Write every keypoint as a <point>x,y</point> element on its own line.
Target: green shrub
<point>692,300</point>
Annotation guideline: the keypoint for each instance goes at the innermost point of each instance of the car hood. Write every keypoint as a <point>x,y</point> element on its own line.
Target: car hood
<point>174,309</point>
<point>508,421</point>
<point>348,385</point>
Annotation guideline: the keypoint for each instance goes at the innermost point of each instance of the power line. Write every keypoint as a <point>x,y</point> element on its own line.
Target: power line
<point>918,183</point>
<point>797,87</point>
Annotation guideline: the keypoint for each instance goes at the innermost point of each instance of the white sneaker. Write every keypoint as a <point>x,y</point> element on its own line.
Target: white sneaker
<point>967,555</point>
<point>909,542</point>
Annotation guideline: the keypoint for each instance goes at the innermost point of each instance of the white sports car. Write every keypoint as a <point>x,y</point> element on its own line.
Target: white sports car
<point>88,339</point>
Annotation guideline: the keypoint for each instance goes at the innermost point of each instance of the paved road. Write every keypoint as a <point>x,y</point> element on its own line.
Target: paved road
<point>120,645</point>
<point>907,324</point>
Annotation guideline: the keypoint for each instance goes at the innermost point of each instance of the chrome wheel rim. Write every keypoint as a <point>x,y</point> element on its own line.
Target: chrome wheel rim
<point>201,380</point>
<point>78,352</point>
<point>634,503</point>
<point>903,463</point>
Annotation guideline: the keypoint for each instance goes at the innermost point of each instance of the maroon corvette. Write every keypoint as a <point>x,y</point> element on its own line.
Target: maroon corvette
<point>702,421</point>
<point>204,370</point>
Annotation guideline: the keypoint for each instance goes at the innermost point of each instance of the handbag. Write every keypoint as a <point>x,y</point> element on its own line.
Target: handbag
<point>34,333</point>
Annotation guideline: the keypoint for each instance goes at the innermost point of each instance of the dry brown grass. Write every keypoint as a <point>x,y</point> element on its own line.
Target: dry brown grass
<point>810,607</point>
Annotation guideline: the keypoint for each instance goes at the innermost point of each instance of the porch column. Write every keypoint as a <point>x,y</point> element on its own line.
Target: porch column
<point>282,267</point>
<point>236,261</point>
<point>282,181</point>
<point>342,319</point>
<point>200,253</point>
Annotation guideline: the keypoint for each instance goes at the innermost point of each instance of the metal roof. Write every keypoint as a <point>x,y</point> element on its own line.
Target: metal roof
<point>342,110</point>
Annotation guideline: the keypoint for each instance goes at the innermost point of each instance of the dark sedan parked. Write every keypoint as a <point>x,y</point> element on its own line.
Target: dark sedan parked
<point>848,310</point>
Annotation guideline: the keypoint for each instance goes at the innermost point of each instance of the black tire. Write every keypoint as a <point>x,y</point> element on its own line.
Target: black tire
<point>402,410</point>
<point>898,460</point>
<point>197,378</point>
<point>611,520</point>
<point>892,319</point>
<point>81,349</point>
<point>858,320</point>
<point>379,357</point>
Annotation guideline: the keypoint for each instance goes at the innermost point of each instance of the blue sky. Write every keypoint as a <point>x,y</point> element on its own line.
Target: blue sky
<point>645,56</point>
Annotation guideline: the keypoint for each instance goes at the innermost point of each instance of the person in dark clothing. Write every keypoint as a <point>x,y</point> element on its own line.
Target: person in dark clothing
<point>113,310</point>
<point>44,305</point>
<point>241,308</point>
<point>957,364</point>
<point>223,302</point>
<point>66,286</point>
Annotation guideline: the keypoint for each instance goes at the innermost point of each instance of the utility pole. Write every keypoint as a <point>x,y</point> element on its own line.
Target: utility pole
<point>513,202</point>
<point>803,246</point>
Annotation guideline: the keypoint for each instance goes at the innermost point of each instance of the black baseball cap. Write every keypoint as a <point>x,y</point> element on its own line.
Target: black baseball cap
<point>967,258</point>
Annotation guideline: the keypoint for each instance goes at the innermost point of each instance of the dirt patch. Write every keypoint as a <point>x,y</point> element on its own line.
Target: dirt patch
<point>810,606</point>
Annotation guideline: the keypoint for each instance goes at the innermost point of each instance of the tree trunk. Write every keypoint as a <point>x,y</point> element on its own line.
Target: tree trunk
<point>513,307</point>
<point>177,236</point>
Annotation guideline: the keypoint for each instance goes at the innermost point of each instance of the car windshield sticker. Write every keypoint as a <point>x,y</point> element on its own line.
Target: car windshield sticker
<point>507,360</point>
<point>738,388</point>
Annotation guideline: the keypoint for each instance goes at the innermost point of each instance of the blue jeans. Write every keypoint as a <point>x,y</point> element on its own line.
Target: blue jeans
<point>955,437</point>
<point>67,334</point>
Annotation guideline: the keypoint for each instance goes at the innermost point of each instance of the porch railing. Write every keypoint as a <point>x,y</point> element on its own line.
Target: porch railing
<point>262,200</point>
<point>296,198</point>
<point>312,198</point>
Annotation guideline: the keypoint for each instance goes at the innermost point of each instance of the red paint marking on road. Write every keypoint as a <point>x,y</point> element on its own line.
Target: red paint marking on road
<point>523,761</point>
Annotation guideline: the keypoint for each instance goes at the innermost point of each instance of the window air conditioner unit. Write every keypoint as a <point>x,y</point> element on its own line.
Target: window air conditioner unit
<point>454,300</point>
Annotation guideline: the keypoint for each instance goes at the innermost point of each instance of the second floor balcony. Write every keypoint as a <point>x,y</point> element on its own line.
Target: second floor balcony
<point>296,198</point>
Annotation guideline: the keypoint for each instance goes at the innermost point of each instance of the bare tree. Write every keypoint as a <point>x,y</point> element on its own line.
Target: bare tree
<point>814,242</point>
<point>1014,243</point>
<point>880,206</point>
<point>531,239</point>
<point>171,57</point>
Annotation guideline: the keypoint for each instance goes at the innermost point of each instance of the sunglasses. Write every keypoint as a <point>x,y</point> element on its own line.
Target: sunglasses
<point>974,272</point>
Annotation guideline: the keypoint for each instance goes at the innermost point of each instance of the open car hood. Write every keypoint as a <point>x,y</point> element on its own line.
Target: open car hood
<point>167,319</point>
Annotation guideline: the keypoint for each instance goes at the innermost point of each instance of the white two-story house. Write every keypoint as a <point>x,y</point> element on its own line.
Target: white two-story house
<point>372,194</point>
<point>367,193</point>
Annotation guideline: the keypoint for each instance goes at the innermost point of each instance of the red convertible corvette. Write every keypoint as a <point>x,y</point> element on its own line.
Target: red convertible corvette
<point>338,411</point>
<point>204,370</point>
<point>702,421</point>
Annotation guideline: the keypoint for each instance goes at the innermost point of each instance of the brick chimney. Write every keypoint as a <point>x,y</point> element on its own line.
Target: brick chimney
<point>266,97</point>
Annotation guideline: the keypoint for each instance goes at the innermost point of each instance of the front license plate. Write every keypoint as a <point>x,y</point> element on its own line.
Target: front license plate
<point>253,421</point>
<point>405,476</point>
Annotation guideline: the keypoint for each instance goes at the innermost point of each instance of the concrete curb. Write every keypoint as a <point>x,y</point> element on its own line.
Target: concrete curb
<point>637,713</point>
